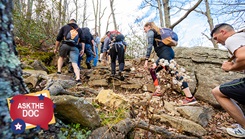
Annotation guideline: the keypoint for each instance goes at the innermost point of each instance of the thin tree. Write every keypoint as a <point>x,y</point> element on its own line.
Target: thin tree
<point>65,7</point>
<point>210,22</point>
<point>76,8</point>
<point>113,13</point>
<point>166,11</point>
<point>101,14</point>
<point>160,13</point>
<point>96,11</point>
<point>60,13</point>
<point>84,13</point>
<point>29,9</point>
<point>108,22</point>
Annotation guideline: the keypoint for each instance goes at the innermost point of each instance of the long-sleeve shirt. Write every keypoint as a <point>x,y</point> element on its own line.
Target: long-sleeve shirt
<point>162,50</point>
<point>106,44</point>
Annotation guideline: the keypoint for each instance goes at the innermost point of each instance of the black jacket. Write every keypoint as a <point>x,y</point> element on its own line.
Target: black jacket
<point>65,29</point>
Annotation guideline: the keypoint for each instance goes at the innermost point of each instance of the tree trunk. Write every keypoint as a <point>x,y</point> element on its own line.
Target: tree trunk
<point>95,9</point>
<point>64,12</point>
<point>108,22</point>
<point>18,6</point>
<point>29,9</point>
<point>160,13</point>
<point>100,18</point>
<point>60,13</point>
<point>84,13</point>
<point>11,81</point>
<point>113,14</point>
<point>76,6</point>
<point>166,10</point>
<point>210,22</point>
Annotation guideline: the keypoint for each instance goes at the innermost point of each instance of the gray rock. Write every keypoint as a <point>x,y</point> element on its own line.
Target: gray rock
<point>102,82</point>
<point>204,64</point>
<point>38,65</point>
<point>201,115</point>
<point>76,110</point>
<point>182,124</point>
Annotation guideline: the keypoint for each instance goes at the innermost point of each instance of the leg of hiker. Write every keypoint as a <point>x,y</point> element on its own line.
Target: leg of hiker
<point>225,94</point>
<point>230,106</point>
<point>89,55</point>
<point>95,59</point>
<point>63,52</point>
<point>74,53</point>
<point>189,98</point>
<point>60,64</point>
<point>121,60</point>
<point>155,82</point>
<point>113,55</point>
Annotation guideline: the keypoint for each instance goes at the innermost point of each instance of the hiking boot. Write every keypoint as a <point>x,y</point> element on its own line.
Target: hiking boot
<point>158,91</point>
<point>88,65</point>
<point>78,82</point>
<point>188,101</point>
<point>236,132</point>
<point>112,75</point>
<point>121,77</point>
<point>70,68</point>
<point>58,72</point>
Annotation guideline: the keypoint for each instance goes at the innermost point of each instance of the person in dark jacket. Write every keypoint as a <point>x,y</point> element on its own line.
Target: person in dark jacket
<point>117,51</point>
<point>163,52</point>
<point>89,46</point>
<point>66,48</point>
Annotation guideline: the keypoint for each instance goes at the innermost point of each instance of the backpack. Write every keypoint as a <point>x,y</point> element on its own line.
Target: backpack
<point>72,37</point>
<point>116,36</point>
<point>168,37</point>
<point>103,39</point>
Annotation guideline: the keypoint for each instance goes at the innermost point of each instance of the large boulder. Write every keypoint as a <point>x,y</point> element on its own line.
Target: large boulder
<point>182,124</point>
<point>205,63</point>
<point>76,110</point>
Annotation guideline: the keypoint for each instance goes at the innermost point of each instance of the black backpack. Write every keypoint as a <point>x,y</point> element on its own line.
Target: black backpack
<point>116,36</point>
<point>72,37</point>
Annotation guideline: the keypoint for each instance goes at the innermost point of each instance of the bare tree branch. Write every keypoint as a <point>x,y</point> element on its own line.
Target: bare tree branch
<point>186,14</point>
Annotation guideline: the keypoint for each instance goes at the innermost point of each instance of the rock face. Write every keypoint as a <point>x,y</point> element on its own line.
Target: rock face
<point>205,65</point>
<point>76,110</point>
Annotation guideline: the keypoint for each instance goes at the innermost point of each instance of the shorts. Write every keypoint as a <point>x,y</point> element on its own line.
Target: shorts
<point>234,89</point>
<point>72,51</point>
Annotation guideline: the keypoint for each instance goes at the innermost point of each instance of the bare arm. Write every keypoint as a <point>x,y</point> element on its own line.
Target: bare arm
<point>239,63</point>
<point>57,44</point>
<point>83,48</point>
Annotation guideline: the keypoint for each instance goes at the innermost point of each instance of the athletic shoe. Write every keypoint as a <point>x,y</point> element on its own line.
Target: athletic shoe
<point>78,82</point>
<point>188,101</point>
<point>236,132</point>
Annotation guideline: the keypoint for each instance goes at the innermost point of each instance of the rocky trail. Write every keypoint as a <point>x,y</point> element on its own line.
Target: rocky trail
<point>140,115</point>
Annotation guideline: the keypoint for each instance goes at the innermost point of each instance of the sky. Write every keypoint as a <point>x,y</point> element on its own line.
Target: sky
<point>189,30</point>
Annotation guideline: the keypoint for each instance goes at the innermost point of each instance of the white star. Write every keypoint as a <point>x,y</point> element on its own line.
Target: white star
<point>18,126</point>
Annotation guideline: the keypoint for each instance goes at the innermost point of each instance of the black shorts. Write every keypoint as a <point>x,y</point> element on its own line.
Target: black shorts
<point>234,89</point>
